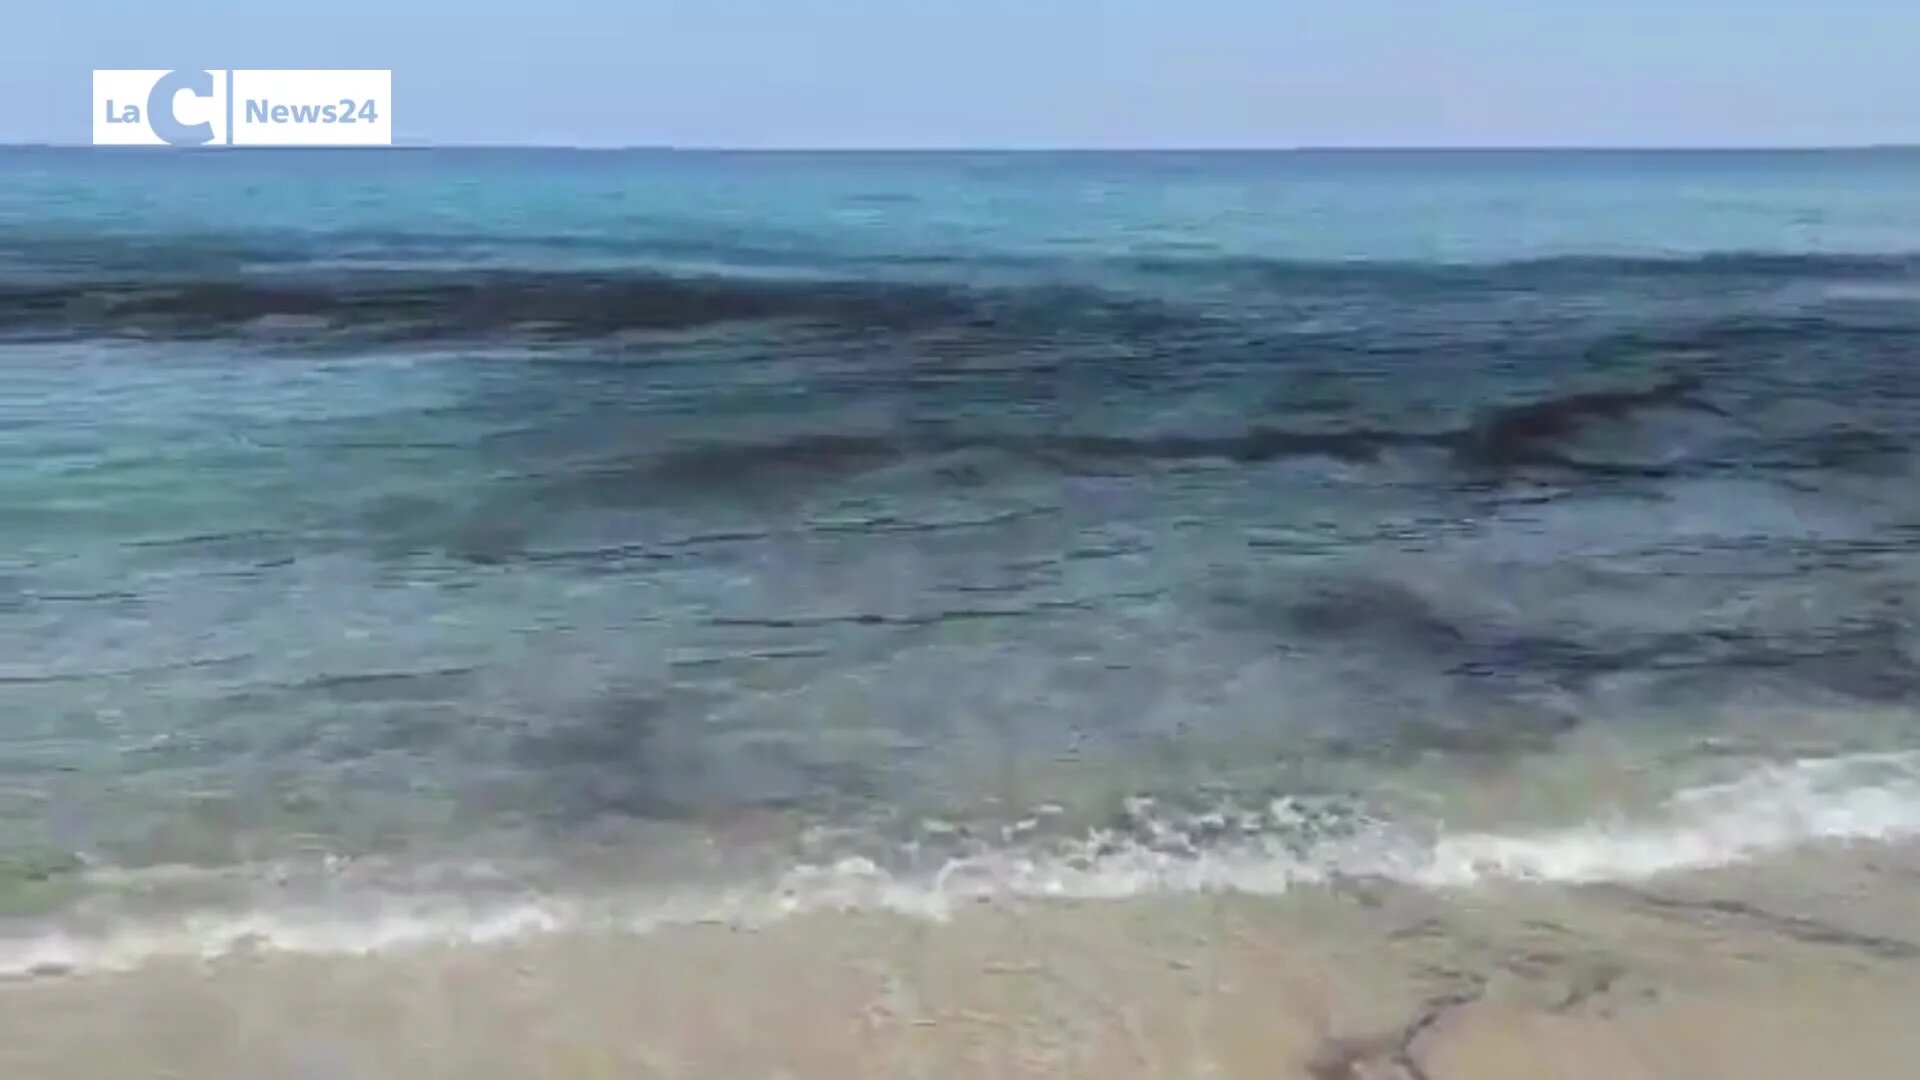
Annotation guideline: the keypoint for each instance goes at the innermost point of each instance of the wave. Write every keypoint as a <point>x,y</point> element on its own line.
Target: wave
<point>1501,439</point>
<point>1724,266</point>
<point>74,257</point>
<point>823,456</point>
<point>1263,851</point>
<point>426,288</point>
<point>1532,433</point>
<point>415,306</point>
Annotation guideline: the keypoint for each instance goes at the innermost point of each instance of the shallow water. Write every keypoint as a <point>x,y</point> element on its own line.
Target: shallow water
<point>416,547</point>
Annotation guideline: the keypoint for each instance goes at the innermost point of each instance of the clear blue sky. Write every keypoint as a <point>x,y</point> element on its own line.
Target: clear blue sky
<point>1029,72</point>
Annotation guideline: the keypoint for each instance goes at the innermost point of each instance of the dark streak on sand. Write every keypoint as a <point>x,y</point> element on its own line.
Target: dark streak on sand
<point>1796,927</point>
<point>1349,1058</point>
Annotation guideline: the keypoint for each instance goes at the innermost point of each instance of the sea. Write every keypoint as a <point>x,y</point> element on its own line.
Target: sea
<point>448,550</point>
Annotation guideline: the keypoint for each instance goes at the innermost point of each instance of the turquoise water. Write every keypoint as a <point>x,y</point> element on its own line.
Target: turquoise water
<point>817,210</point>
<point>444,521</point>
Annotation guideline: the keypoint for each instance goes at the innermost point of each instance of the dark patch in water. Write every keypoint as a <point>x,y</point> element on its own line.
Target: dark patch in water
<point>1377,611</point>
<point>612,761</point>
<point>1534,433</point>
<point>654,757</point>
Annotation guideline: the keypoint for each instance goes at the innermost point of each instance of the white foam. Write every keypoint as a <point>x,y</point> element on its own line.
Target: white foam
<point>1862,798</point>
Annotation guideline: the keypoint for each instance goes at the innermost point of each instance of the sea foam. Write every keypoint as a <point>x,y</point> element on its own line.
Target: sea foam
<point>1854,799</point>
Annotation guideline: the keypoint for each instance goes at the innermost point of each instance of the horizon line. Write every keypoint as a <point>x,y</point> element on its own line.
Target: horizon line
<point>961,148</point>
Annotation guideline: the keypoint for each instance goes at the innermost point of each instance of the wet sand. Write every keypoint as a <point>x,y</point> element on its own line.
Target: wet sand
<point>1808,965</point>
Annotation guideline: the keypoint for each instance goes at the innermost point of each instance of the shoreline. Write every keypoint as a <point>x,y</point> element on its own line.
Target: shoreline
<point>1808,961</point>
<point>1774,814</point>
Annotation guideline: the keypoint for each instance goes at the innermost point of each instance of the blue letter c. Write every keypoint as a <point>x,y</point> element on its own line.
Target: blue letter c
<point>160,107</point>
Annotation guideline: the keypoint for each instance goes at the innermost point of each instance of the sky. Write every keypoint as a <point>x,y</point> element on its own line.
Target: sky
<point>1028,73</point>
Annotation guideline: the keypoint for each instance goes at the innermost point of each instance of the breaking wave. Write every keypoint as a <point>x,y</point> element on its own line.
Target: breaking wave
<point>1263,851</point>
